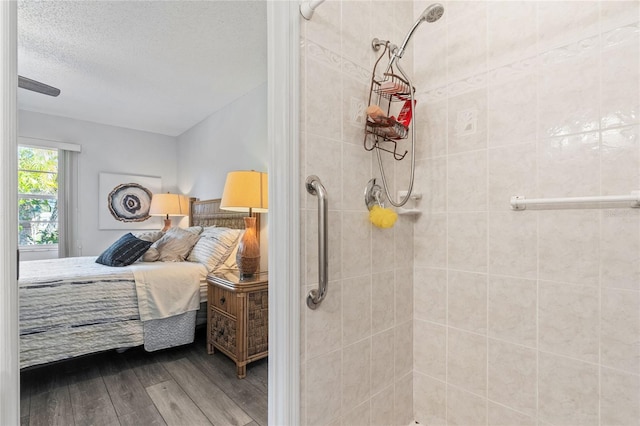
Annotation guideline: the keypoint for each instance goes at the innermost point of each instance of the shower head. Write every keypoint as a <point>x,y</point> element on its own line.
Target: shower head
<point>431,14</point>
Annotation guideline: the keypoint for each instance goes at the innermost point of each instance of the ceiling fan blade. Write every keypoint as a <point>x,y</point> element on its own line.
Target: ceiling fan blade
<point>36,86</point>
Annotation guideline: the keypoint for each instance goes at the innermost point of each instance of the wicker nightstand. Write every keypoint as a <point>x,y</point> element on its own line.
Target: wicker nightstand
<point>238,317</point>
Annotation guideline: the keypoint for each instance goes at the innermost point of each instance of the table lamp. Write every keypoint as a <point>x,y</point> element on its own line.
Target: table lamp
<point>247,191</point>
<point>168,205</point>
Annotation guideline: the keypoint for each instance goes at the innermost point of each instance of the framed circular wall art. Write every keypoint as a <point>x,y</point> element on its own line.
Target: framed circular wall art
<point>130,202</point>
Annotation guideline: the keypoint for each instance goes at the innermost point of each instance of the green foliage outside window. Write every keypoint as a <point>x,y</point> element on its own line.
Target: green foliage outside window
<point>38,196</point>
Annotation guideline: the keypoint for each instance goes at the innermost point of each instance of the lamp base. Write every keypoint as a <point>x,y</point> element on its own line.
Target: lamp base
<point>167,225</point>
<point>248,255</point>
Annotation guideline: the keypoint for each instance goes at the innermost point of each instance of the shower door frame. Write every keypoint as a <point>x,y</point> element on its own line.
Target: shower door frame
<point>283,97</point>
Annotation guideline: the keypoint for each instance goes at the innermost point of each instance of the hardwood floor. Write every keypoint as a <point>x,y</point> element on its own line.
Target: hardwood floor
<point>179,386</point>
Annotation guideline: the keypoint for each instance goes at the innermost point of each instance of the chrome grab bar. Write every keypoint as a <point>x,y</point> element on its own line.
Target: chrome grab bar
<point>315,187</point>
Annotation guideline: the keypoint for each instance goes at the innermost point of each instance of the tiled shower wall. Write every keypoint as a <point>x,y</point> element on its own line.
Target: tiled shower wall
<point>356,348</point>
<point>527,317</point>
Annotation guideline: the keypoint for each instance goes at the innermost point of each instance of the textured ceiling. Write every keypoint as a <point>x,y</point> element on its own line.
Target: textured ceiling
<point>157,66</point>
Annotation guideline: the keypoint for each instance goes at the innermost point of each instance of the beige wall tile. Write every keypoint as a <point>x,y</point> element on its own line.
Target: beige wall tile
<point>513,376</point>
<point>568,95</point>
<point>620,80</point>
<point>431,129</point>
<point>382,407</point>
<point>511,172</point>
<point>430,403</point>
<point>467,241</point>
<point>356,367</point>
<point>431,182</point>
<point>359,416</point>
<point>382,301</point>
<point>513,310</point>
<point>464,408</point>
<point>573,160</point>
<point>467,45</point>
<point>430,349</point>
<point>467,129</point>
<point>324,378</point>
<point>430,294</point>
<point>620,399</point>
<point>503,416</point>
<point>620,159</point>
<point>324,325</point>
<point>467,182</point>
<point>382,358</point>
<point>431,244</point>
<point>620,330</point>
<point>569,320</point>
<point>504,45</point>
<point>356,309</point>
<point>568,246</point>
<point>567,391</point>
<point>512,112</point>
<point>356,244</point>
<point>403,403</point>
<point>403,347</point>
<point>512,244</point>
<point>467,361</point>
<point>467,301</point>
<point>404,295</point>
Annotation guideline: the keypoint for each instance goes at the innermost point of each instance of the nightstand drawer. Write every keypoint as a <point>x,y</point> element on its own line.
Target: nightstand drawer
<point>224,300</point>
<point>223,331</point>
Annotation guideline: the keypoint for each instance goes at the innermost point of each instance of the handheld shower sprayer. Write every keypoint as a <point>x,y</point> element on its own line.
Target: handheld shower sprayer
<point>431,14</point>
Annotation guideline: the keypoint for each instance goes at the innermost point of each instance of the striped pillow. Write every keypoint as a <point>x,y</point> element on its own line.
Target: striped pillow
<point>214,246</point>
<point>175,244</point>
<point>124,252</point>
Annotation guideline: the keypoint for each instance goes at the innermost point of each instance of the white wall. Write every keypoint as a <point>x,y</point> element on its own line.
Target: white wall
<point>527,317</point>
<point>233,138</point>
<point>104,149</point>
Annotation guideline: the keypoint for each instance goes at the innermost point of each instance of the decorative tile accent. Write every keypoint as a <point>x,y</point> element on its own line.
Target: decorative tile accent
<point>572,50</point>
<point>324,55</point>
<point>620,36</point>
<point>356,111</point>
<point>467,122</point>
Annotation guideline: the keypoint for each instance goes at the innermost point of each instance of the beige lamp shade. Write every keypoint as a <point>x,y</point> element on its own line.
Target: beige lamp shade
<point>168,205</point>
<point>246,191</point>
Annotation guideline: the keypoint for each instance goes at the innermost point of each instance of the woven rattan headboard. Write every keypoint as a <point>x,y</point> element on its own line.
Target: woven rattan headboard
<point>208,213</point>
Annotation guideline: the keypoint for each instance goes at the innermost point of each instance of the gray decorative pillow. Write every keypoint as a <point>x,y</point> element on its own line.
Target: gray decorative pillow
<point>214,246</point>
<point>152,254</point>
<point>175,245</point>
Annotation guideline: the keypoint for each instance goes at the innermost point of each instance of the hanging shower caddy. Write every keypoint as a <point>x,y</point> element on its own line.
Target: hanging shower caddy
<point>388,91</point>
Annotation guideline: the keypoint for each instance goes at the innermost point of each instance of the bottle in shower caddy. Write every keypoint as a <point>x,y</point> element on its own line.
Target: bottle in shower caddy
<point>387,127</point>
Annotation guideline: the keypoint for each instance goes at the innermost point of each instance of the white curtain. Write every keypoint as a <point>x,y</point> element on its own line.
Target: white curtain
<point>67,201</point>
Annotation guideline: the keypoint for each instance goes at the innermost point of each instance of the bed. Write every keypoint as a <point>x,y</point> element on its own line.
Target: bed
<point>75,306</point>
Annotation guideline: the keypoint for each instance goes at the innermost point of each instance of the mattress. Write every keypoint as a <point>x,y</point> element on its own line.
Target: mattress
<point>74,306</point>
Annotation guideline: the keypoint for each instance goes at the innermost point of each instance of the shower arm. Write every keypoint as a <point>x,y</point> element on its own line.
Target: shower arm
<point>404,200</point>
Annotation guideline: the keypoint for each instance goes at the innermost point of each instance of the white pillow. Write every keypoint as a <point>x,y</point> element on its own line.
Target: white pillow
<point>214,246</point>
<point>152,254</point>
<point>152,236</point>
<point>174,246</point>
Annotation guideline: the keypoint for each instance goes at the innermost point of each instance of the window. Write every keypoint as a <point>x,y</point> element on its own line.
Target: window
<point>37,196</point>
